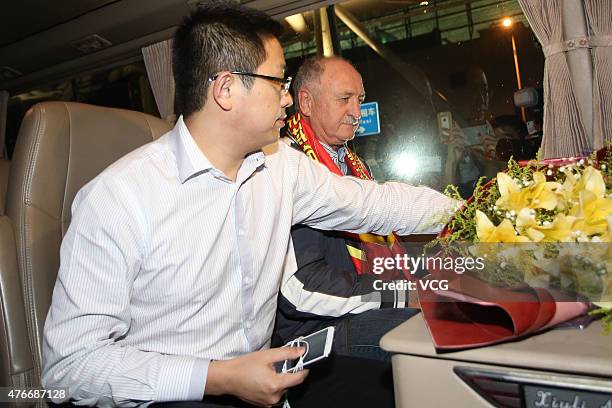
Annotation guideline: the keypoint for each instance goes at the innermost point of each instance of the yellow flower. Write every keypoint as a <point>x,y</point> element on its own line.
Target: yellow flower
<point>559,230</point>
<point>538,194</point>
<point>590,180</point>
<point>604,305</point>
<point>525,219</point>
<point>605,253</point>
<point>593,213</point>
<point>606,298</point>
<point>504,232</point>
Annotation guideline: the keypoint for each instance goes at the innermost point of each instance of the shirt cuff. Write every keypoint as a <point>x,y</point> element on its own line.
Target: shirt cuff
<point>395,298</point>
<point>182,379</point>
<point>197,385</point>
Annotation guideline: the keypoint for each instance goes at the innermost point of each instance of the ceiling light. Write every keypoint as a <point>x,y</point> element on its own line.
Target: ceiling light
<point>91,43</point>
<point>298,23</point>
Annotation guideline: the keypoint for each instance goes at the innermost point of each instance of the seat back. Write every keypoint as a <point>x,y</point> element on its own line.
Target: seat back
<point>16,362</point>
<point>60,147</point>
<point>5,166</point>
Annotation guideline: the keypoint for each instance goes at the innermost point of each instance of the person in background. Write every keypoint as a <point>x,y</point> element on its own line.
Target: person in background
<point>471,140</point>
<point>510,139</point>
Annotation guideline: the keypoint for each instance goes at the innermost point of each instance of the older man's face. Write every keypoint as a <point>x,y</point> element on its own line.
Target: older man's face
<point>335,109</point>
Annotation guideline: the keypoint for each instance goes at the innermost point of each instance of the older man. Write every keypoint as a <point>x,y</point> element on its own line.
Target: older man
<point>331,279</point>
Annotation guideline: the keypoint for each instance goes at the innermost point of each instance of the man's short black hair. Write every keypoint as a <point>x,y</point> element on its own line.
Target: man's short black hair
<point>220,36</point>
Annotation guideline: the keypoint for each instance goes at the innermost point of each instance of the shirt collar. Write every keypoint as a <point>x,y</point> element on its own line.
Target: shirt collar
<point>336,155</point>
<point>191,162</point>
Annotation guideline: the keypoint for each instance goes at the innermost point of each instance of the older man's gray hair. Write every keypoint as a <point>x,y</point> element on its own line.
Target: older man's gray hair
<point>309,74</point>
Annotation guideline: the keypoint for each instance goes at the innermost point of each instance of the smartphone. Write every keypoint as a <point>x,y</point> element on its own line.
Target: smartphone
<point>318,346</point>
<point>475,134</point>
<point>445,120</point>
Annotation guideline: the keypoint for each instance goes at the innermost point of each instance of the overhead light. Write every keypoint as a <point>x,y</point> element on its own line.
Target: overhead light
<point>91,43</point>
<point>441,95</point>
<point>507,22</point>
<point>298,23</point>
<point>424,3</point>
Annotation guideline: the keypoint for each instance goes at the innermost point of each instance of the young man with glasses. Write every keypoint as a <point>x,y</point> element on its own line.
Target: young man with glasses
<point>171,266</point>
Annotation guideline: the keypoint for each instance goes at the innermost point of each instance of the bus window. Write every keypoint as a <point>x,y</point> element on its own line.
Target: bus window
<point>437,57</point>
<point>124,87</point>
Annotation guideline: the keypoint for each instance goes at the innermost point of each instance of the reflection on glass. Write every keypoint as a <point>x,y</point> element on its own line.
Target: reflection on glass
<point>438,56</point>
<point>125,87</point>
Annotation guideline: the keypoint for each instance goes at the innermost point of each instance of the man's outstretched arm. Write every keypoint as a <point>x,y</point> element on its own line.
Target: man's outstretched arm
<point>326,201</point>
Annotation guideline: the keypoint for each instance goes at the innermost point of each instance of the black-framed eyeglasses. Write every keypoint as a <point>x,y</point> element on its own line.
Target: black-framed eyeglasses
<point>285,82</point>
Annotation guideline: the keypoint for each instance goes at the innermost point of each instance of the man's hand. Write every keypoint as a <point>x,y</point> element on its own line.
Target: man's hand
<point>253,378</point>
<point>454,138</point>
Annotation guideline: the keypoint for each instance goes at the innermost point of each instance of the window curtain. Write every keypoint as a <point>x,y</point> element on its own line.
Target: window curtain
<point>158,62</point>
<point>564,132</point>
<point>599,17</point>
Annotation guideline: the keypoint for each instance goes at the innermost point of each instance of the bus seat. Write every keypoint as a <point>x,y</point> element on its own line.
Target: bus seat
<point>16,362</point>
<point>60,147</point>
<point>5,166</point>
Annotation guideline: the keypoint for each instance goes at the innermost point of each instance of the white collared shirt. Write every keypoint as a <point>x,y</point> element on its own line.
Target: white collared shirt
<point>168,264</point>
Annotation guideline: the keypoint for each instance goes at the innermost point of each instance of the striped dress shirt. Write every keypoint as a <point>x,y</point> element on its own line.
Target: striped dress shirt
<point>168,264</point>
<point>338,156</point>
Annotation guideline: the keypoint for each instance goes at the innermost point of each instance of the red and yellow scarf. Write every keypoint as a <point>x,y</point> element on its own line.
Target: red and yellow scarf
<point>362,248</point>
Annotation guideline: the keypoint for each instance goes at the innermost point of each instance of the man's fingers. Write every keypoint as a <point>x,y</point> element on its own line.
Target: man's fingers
<point>285,353</point>
<point>288,380</point>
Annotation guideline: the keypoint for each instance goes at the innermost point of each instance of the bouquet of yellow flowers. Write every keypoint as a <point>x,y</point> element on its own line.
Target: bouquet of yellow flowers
<point>559,211</point>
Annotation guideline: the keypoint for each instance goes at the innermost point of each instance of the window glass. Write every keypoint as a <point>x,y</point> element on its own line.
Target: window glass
<point>299,36</point>
<point>125,87</point>
<point>444,61</point>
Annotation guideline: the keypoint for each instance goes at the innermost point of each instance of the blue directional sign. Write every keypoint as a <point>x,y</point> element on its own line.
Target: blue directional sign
<point>369,123</point>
